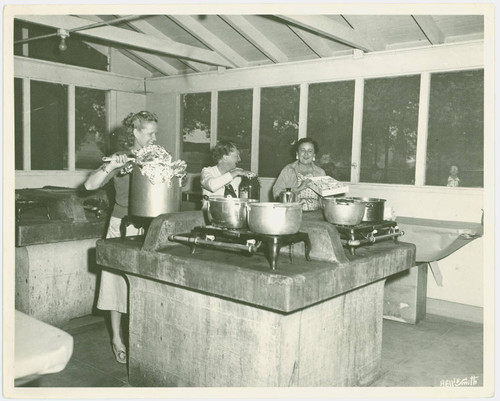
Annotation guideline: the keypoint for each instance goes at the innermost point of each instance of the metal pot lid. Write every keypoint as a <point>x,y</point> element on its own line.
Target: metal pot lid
<point>360,199</point>
<point>219,198</point>
<point>277,205</point>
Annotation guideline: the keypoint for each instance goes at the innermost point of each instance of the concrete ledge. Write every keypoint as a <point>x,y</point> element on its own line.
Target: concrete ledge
<point>455,310</point>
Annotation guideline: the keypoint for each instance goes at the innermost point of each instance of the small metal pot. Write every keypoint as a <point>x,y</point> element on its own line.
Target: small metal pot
<point>343,211</point>
<point>274,218</point>
<point>228,212</point>
<point>374,208</point>
<point>288,196</point>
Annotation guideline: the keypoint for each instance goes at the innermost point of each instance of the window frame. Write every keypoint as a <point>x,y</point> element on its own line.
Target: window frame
<point>71,129</point>
<point>359,83</point>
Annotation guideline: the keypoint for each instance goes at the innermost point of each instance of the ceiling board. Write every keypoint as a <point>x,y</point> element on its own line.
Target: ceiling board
<point>251,40</point>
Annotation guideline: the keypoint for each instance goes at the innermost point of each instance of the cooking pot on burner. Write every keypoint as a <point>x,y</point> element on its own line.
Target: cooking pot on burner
<point>374,208</point>
<point>343,211</point>
<point>227,212</point>
<point>274,218</point>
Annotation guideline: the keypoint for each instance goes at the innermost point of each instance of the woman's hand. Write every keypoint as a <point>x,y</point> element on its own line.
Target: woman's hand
<point>305,184</point>
<point>117,160</point>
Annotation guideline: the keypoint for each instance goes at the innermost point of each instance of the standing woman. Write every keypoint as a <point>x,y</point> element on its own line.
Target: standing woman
<point>297,175</point>
<point>141,129</point>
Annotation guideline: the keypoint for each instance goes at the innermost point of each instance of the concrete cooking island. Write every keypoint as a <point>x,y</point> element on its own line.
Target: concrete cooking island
<point>216,318</point>
<point>56,231</point>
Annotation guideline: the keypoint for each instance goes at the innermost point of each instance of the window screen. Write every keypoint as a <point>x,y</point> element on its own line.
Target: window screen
<point>456,129</point>
<point>389,136</point>
<point>279,126</point>
<point>329,123</point>
<point>234,122</point>
<point>196,131</point>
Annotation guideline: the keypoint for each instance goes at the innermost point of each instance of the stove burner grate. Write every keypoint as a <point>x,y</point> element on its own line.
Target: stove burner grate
<point>368,233</point>
<point>243,240</point>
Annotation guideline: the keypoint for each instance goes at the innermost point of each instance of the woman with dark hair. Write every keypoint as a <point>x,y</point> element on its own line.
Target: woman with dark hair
<point>224,177</point>
<point>297,175</point>
<point>140,131</point>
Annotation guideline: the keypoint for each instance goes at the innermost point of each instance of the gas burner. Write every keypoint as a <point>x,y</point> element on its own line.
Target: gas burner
<point>368,233</point>
<point>23,204</point>
<point>243,240</point>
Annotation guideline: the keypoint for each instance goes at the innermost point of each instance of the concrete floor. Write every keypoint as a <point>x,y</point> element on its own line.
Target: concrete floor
<point>412,355</point>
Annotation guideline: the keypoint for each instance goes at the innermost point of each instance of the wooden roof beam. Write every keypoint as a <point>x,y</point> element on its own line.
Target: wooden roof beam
<point>151,60</point>
<point>430,29</point>
<point>145,27</point>
<point>255,37</point>
<point>316,43</point>
<point>329,28</point>
<point>128,38</point>
<point>201,33</point>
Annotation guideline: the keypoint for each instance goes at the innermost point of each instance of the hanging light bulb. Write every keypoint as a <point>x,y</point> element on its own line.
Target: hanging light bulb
<point>63,34</point>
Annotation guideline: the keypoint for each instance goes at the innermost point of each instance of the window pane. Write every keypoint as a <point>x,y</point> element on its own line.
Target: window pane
<point>329,122</point>
<point>18,122</point>
<point>456,128</point>
<point>77,52</point>
<point>49,126</point>
<point>279,126</point>
<point>234,122</point>
<point>196,131</point>
<point>91,139</point>
<point>389,138</point>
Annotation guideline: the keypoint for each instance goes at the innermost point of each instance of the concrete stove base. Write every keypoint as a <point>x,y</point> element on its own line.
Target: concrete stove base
<point>184,338</point>
<point>56,282</point>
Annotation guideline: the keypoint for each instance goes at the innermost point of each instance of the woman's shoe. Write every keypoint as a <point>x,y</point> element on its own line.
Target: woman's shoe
<point>120,353</point>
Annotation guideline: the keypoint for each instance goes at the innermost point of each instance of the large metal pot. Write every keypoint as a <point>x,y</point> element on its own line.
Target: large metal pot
<point>274,218</point>
<point>151,200</point>
<point>374,208</point>
<point>228,212</point>
<point>343,211</point>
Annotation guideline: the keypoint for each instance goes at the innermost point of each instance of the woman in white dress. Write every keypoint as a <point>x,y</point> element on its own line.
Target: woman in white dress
<point>113,291</point>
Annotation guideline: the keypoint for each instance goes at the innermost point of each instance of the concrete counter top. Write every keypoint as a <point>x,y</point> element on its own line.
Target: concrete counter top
<point>249,279</point>
<point>59,214</point>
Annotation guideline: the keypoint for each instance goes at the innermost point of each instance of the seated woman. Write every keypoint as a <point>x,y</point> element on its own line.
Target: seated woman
<point>224,177</point>
<point>296,175</point>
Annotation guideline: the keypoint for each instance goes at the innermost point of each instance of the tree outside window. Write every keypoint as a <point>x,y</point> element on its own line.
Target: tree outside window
<point>234,121</point>
<point>456,129</point>
<point>196,109</point>
<point>279,127</point>
<point>389,136</point>
<point>329,123</point>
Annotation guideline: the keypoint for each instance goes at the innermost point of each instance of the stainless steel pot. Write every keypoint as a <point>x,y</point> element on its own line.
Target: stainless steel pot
<point>274,218</point>
<point>151,200</point>
<point>374,208</point>
<point>343,211</point>
<point>228,212</point>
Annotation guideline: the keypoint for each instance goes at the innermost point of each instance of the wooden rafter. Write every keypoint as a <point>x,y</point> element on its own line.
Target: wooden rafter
<point>376,41</point>
<point>152,60</point>
<point>257,38</point>
<point>316,43</point>
<point>145,27</point>
<point>201,33</point>
<point>430,29</point>
<point>326,27</point>
<point>129,38</point>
